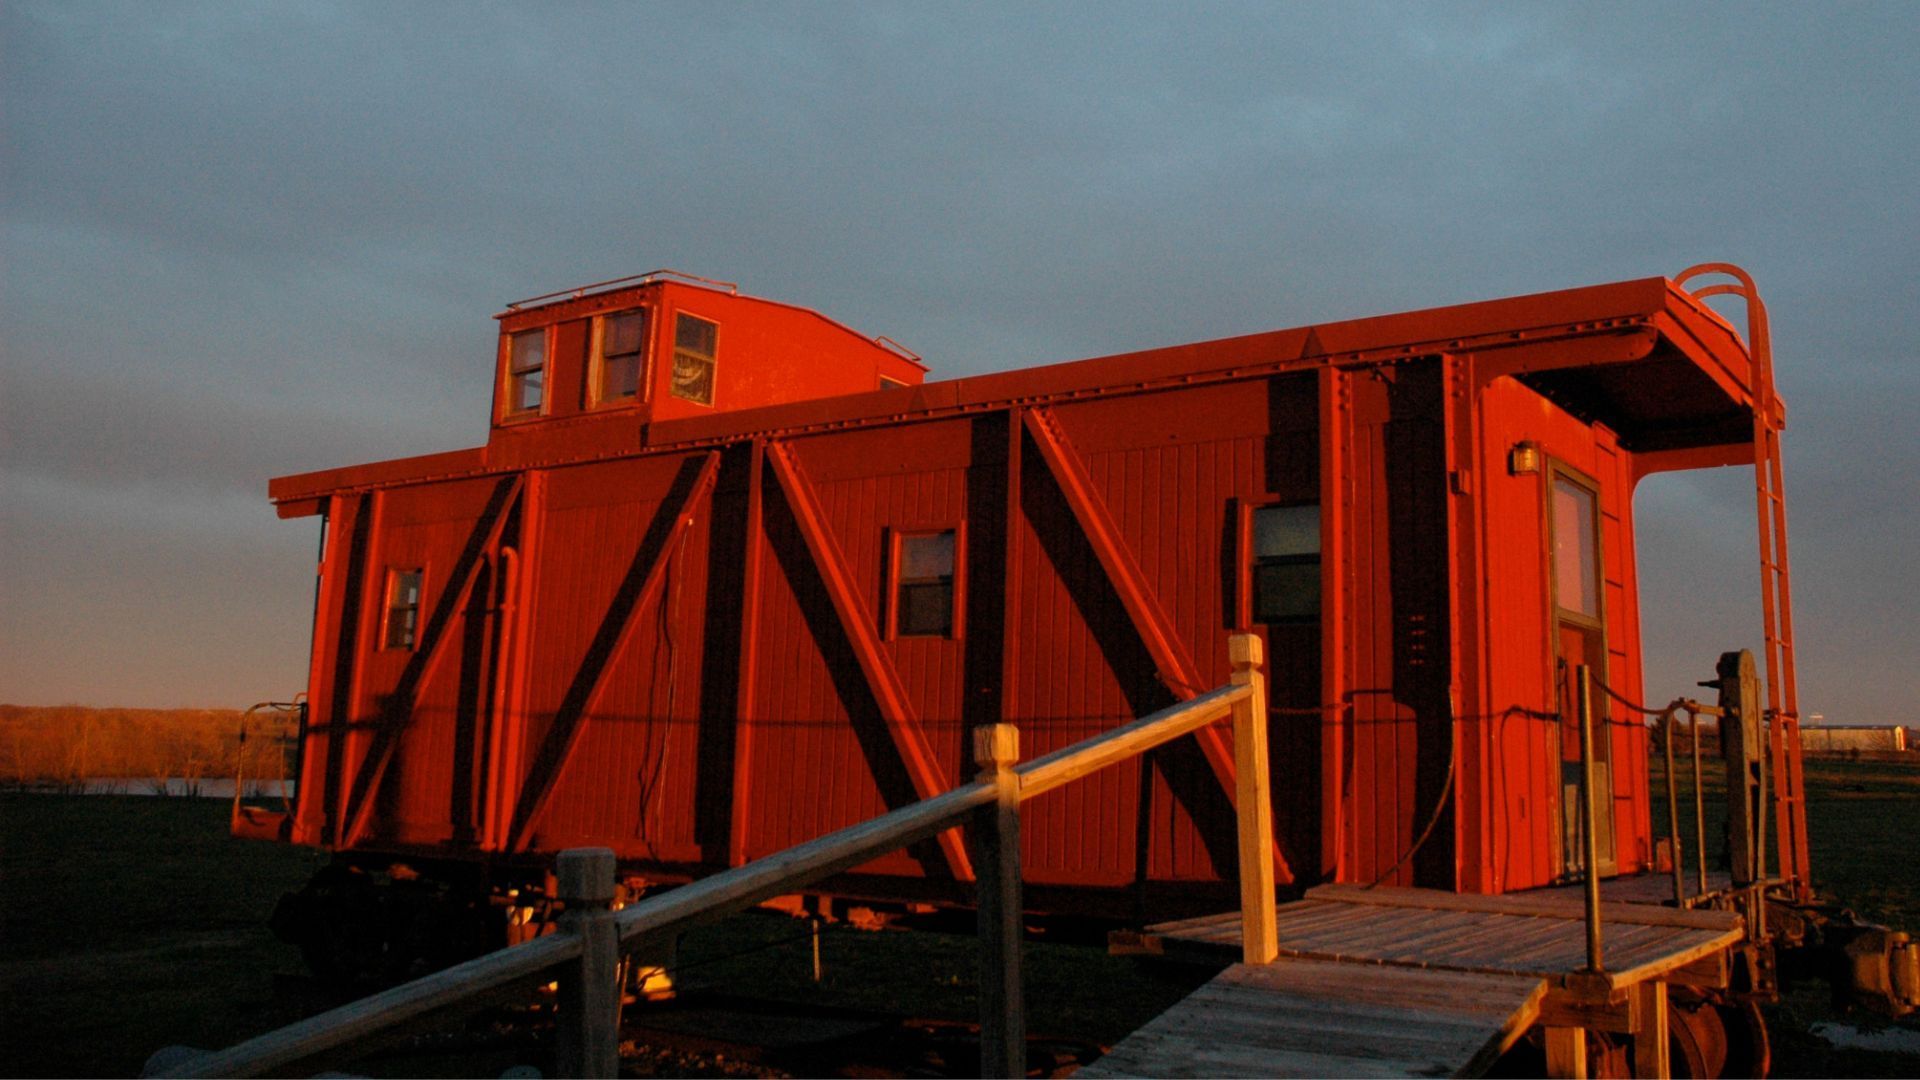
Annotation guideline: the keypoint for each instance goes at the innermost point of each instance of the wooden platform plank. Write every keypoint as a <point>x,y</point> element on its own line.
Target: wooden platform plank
<point>1357,993</point>
<point>1432,930</point>
<point>1523,904</point>
<point>1318,1018</point>
<point>1306,915</point>
<point>1473,940</point>
<point>1355,932</point>
<point>1406,1036</point>
<point>1444,930</point>
<point>1196,1059</point>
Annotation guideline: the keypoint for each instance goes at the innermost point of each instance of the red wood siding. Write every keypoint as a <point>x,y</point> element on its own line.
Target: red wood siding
<point>1398,728</point>
<point>1521,769</point>
<point>672,636</point>
<point>630,775</point>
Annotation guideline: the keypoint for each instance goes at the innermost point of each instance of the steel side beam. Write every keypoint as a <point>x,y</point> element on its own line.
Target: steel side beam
<point>889,693</point>
<point>1336,433</point>
<point>1143,608</point>
<point>745,699</point>
<point>610,640</point>
<point>1610,347</point>
<point>426,660</point>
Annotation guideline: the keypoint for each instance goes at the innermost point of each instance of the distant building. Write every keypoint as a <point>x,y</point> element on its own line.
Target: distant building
<point>1843,738</point>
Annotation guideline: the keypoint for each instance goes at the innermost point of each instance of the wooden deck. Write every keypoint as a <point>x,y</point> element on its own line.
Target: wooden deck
<point>1324,1018</point>
<point>1416,982</point>
<point>1508,935</point>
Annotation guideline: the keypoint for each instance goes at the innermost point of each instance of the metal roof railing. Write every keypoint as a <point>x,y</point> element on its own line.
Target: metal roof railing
<point>578,291</point>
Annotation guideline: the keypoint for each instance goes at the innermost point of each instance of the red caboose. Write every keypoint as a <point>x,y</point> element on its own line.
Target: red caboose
<point>727,576</point>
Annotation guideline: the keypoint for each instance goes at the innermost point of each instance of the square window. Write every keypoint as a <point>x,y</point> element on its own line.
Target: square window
<point>923,592</point>
<point>694,358</point>
<point>617,366</point>
<point>526,371</point>
<point>1285,564</point>
<point>402,621</point>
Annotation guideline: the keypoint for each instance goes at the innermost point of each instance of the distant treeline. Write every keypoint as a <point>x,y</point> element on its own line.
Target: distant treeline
<point>64,746</point>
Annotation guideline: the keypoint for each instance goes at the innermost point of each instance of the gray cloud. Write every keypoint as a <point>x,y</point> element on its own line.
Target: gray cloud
<point>246,240</point>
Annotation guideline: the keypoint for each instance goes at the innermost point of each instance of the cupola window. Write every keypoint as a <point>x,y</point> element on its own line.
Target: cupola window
<point>526,371</point>
<point>694,341</point>
<point>619,355</point>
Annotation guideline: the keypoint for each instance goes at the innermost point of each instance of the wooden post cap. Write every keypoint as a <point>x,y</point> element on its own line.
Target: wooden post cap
<point>1246,650</point>
<point>585,875</point>
<point>996,745</point>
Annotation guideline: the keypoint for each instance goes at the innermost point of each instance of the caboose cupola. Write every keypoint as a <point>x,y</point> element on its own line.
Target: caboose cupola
<point>667,345</point>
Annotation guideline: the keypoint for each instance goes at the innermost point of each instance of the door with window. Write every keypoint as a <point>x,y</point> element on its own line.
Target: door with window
<point>1579,633</point>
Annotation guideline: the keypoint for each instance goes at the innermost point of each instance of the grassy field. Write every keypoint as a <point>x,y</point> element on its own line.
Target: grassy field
<point>127,924</point>
<point>1862,820</point>
<point>132,923</point>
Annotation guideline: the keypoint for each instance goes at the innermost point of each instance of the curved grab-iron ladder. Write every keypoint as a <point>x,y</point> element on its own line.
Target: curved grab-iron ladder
<point>1776,591</point>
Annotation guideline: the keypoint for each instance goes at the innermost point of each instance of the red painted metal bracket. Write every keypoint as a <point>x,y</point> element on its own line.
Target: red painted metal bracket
<point>398,706</point>
<point>889,693</point>
<point>590,681</point>
<point>1143,608</point>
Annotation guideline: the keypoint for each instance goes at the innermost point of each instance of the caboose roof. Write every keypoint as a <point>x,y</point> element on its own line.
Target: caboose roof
<point>1653,363</point>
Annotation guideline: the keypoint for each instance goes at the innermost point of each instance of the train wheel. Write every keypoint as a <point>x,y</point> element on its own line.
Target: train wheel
<point>1697,1040</point>
<point>1749,1051</point>
<point>337,920</point>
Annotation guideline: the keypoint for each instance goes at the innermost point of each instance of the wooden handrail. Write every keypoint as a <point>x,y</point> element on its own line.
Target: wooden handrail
<point>586,950</point>
<point>527,963</point>
<point>730,891</point>
<point>1066,765</point>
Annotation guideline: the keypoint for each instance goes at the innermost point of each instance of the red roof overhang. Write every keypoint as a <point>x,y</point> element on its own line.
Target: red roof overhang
<point>1642,356</point>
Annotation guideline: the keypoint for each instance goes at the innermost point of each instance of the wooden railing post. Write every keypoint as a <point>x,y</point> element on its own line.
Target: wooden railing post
<point>1673,809</point>
<point>1589,816</point>
<point>995,834</point>
<point>1260,940</point>
<point>589,1028</point>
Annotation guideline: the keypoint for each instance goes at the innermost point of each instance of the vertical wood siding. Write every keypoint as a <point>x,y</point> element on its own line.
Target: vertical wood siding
<point>654,772</point>
<point>428,791</point>
<point>1522,772</point>
<point>629,778</point>
<point>1397,552</point>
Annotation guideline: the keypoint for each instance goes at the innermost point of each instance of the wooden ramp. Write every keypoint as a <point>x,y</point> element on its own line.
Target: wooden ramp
<point>1417,982</point>
<point>1326,1018</point>
<point>1512,935</point>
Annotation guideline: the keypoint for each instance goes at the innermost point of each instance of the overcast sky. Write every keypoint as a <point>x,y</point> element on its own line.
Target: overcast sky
<point>248,240</point>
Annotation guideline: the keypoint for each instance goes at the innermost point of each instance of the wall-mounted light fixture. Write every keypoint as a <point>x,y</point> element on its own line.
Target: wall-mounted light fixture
<point>1523,459</point>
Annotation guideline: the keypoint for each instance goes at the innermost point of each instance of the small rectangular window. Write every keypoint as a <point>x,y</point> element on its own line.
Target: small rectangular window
<point>923,592</point>
<point>402,622</point>
<point>694,341</point>
<point>617,364</point>
<point>526,371</point>
<point>1285,566</point>
<point>1576,557</point>
<point>891,384</point>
